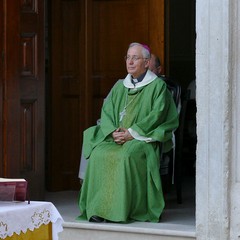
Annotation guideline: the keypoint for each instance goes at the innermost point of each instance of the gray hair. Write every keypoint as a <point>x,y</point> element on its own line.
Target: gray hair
<point>145,52</point>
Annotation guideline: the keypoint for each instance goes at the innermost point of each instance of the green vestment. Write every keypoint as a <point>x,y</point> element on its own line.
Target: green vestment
<point>122,182</point>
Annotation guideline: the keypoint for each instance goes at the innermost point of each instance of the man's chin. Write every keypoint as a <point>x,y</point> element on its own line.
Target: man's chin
<point>131,72</point>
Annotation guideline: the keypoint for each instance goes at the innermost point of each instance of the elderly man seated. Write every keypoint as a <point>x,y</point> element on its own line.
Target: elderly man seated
<point>122,181</point>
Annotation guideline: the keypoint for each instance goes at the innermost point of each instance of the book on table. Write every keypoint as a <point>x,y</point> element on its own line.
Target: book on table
<point>13,189</point>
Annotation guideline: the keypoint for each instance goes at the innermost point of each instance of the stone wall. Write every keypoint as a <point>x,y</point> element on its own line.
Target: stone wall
<point>218,159</point>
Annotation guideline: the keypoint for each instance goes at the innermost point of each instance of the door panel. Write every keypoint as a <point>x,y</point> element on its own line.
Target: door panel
<point>88,42</point>
<point>23,93</point>
<point>67,93</point>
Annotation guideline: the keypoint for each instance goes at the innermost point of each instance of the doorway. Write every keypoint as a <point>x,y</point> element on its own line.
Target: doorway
<point>78,86</point>
<point>180,58</point>
<point>86,58</point>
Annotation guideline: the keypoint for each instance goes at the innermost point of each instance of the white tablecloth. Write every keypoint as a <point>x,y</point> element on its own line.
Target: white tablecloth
<point>21,216</point>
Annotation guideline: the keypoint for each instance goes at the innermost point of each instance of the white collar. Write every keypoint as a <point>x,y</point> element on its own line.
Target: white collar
<point>149,77</point>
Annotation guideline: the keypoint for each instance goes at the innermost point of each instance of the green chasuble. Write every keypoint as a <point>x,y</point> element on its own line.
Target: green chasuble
<point>122,182</point>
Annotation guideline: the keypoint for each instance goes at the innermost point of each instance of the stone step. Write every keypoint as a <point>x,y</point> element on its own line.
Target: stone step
<point>131,231</point>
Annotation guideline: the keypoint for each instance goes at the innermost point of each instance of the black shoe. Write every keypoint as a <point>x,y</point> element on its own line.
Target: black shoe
<point>96,219</point>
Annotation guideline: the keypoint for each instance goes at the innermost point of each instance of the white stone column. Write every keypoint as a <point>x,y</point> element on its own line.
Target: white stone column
<point>216,184</point>
<point>235,143</point>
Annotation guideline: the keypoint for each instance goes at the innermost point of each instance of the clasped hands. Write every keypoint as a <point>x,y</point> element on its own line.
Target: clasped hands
<point>121,135</point>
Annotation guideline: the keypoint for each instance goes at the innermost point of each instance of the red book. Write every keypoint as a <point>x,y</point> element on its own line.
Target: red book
<point>13,189</point>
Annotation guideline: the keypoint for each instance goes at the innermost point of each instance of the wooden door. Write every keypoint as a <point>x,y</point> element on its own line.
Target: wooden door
<point>88,42</point>
<point>67,109</point>
<point>22,92</point>
<point>1,86</point>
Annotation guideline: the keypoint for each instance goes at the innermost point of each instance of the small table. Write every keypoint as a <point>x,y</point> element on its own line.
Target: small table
<point>20,220</point>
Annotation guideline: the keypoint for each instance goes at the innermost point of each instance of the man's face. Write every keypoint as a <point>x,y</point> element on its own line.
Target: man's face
<point>135,63</point>
<point>152,65</point>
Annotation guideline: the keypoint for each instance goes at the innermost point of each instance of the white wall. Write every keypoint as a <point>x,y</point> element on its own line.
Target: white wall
<point>235,143</point>
<point>218,166</point>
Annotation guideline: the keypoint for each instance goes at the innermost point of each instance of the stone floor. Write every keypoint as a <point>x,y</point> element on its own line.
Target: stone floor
<point>174,216</point>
